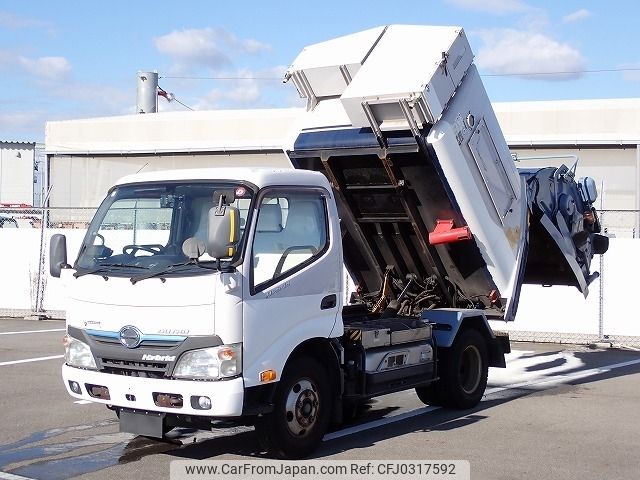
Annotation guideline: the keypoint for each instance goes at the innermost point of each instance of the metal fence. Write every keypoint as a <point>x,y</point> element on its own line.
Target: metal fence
<point>611,289</point>
<point>30,217</point>
<point>620,223</point>
<point>24,235</point>
<point>29,291</point>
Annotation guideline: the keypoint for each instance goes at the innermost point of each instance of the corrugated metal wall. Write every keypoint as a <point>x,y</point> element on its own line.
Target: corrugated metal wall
<point>83,180</point>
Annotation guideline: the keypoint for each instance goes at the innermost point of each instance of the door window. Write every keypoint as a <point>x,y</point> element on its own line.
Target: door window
<point>291,232</point>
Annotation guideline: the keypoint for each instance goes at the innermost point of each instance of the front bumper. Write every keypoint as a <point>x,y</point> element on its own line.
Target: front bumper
<point>138,393</point>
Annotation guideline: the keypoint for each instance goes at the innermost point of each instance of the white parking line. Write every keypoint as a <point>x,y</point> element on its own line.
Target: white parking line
<point>546,381</point>
<point>83,402</point>
<point>34,331</point>
<point>27,360</point>
<point>562,377</point>
<point>378,423</point>
<point>11,476</point>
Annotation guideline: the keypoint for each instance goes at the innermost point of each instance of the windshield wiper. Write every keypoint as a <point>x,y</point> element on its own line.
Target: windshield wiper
<point>169,269</point>
<point>106,268</point>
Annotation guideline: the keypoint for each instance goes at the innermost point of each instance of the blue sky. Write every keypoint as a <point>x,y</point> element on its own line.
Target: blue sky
<point>77,59</point>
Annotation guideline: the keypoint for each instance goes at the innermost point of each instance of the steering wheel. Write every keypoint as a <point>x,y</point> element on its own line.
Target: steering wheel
<point>151,248</point>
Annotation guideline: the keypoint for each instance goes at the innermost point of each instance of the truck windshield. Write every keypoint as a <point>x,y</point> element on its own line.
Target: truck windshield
<point>143,226</point>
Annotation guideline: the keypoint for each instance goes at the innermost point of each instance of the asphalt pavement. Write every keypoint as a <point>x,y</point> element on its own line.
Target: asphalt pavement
<point>555,412</point>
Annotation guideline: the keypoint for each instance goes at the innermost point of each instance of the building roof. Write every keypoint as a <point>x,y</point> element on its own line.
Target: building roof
<point>545,123</point>
<point>18,142</point>
<point>220,130</point>
<point>571,122</point>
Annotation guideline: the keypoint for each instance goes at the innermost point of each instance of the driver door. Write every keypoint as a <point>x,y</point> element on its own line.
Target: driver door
<point>294,278</point>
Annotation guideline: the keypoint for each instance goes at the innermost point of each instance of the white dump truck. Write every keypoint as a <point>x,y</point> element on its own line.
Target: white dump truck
<point>218,294</point>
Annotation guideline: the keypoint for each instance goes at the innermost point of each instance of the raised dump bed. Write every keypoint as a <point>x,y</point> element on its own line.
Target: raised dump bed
<point>435,213</point>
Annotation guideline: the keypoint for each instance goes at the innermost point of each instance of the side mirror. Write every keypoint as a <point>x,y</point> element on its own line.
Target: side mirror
<point>224,231</point>
<point>57,254</point>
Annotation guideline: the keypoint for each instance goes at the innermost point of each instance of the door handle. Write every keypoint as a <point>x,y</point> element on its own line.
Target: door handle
<point>328,302</point>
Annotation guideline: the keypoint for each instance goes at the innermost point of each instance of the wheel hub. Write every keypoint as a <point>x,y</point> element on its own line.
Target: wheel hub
<point>302,407</point>
<point>470,369</point>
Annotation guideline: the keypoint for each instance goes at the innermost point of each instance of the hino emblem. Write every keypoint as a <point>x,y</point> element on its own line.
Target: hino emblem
<point>130,336</point>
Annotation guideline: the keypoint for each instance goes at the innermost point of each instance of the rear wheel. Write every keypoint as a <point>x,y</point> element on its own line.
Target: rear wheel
<point>429,394</point>
<point>301,412</point>
<point>463,371</point>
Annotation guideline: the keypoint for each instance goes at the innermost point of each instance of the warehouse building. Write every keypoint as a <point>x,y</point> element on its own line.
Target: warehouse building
<point>603,134</point>
<point>87,156</point>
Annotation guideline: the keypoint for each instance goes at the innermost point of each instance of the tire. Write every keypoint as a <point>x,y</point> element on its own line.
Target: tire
<point>301,413</point>
<point>463,371</point>
<point>429,395</point>
<point>351,410</point>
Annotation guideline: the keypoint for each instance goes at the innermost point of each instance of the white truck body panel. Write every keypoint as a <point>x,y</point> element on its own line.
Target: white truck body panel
<point>325,69</point>
<point>486,178</point>
<point>428,64</point>
<point>260,177</point>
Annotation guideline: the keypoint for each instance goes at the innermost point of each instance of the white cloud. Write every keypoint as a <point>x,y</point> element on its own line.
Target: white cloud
<point>7,58</point>
<point>276,72</point>
<point>576,16</point>
<point>497,7</point>
<point>194,47</point>
<point>243,94</point>
<point>23,125</point>
<point>534,20</point>
<point>11,21</point>
<point>509,51</point>
<point>49,68</point>
<point>632,73</point>
<point>252,89</point>
<point>20,120</point>
<point>251,45</point>
<point>205,47</point>
<point>96,99</point>
<point>24,118</point>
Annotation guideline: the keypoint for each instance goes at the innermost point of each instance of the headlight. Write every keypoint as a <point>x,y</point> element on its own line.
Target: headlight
<point>210,363</point>
<point>78,354</point>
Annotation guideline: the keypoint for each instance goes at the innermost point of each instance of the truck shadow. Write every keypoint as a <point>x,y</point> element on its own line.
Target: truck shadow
<point>61,453</point>
<point>246,444</point>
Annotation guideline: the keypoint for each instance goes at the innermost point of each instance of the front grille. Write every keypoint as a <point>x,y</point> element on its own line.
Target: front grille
<point>134,369</point>
<point>155,344</point>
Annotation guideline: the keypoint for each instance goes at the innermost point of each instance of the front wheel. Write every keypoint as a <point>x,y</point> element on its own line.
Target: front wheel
<point>301,412</point>
<point>463,371</point>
